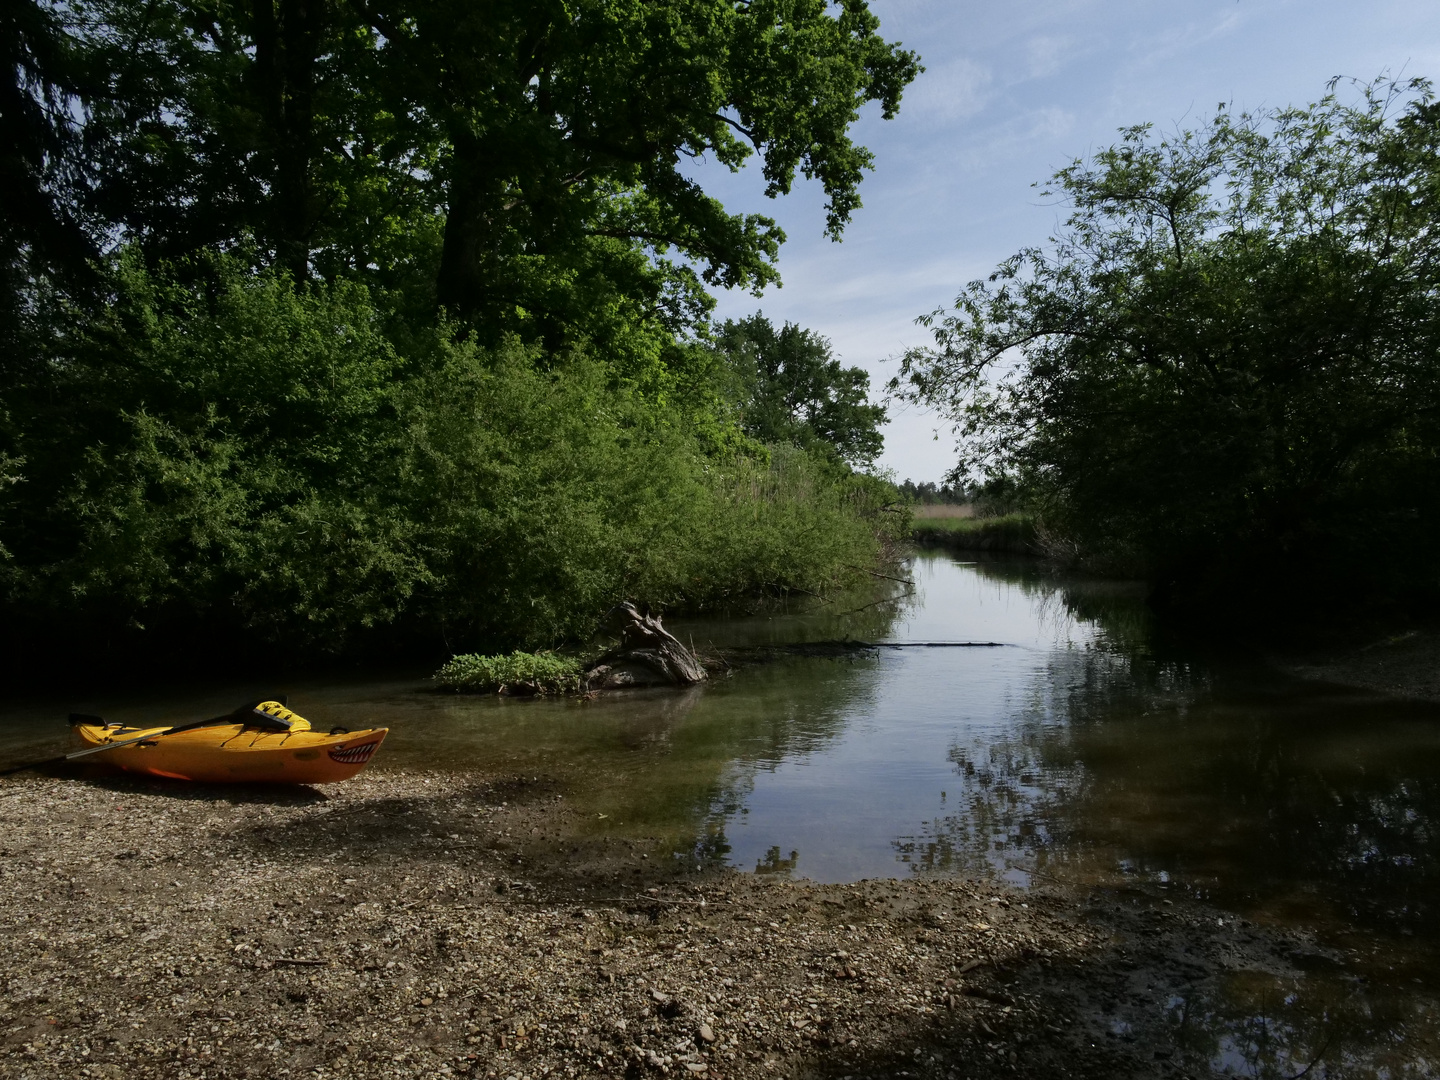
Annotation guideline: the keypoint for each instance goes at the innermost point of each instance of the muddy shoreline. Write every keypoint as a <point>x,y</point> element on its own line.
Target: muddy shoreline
<point>428,924</point>
<point>1404,664</point>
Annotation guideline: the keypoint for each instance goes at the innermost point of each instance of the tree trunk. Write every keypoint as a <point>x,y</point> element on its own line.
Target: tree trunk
<point>648,655</point>
<point>287,37</point>
<point>461,283</point>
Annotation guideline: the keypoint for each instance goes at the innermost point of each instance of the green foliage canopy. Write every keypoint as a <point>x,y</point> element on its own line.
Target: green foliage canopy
<point>41,231</point>
<point>1227,365</point>
<point>517,162</point>
<point>791,389</point>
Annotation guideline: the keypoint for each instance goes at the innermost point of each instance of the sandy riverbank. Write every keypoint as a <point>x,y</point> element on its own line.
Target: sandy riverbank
<point>409,925</point>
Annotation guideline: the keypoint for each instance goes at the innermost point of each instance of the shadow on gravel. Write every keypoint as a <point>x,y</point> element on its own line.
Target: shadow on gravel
<point>122,783</point>
<point>933,979</point>
<point>1172,993</point>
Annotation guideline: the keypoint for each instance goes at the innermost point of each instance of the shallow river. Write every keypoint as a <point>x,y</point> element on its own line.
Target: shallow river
<point>1070,752</point>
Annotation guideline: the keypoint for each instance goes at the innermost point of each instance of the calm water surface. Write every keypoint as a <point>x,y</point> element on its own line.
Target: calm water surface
<point>1072,753</point>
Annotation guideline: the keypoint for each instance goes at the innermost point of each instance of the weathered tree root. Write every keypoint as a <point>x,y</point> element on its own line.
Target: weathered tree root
<point>648,654</point>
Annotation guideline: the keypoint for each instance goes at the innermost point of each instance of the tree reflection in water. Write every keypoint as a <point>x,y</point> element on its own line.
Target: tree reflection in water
<point>1292,804</point>
<point>774,863</point>
<point>1278,797</point>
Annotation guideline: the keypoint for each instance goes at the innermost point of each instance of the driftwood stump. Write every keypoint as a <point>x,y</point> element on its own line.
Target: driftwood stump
<point>648,654</point>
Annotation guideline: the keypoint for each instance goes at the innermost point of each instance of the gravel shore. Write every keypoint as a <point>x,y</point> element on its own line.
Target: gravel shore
<point>429,925</point>
<point>1405,665</point>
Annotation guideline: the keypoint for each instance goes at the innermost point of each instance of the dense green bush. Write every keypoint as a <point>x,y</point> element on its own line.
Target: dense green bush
<point>512,673</point>
<point>550,497</point>
<point>222,446</point>
<point>218,449</point>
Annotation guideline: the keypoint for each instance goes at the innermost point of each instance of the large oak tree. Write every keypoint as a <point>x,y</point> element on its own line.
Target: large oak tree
<point>519,162</point>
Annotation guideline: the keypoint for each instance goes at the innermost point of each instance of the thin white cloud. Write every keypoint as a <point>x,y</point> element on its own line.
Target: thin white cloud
<point>1155,49</point>
<point>948,92</point>
<point>1013,139</point>
<point>1047,55</point>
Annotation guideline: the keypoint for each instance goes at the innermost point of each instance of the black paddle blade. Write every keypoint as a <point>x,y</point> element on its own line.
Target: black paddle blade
<point>78,718</point>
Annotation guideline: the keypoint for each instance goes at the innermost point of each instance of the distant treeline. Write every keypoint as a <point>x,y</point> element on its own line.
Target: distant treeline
<point>1224,374</point>
<point>343,326</point>
<point>929,493</point>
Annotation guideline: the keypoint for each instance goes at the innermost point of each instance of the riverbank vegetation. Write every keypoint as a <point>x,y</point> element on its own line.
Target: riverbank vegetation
<point>790,389</point>
<point>1221,373</point>
<point>1004,532</point>
<point>337,328</point>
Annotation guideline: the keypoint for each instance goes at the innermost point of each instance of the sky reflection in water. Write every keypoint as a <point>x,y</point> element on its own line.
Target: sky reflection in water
<point>1079,754</point>
<point>862,791</point>
<point>1083,756</point>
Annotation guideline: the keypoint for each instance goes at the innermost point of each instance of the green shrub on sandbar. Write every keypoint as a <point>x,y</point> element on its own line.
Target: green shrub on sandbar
<point>513,673</point>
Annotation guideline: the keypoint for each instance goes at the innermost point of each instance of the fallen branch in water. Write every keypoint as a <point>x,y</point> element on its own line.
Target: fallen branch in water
<point>732,658</point>
<point>937,644</point>
<point>876,603</point>
<point>648,654</point>
<point>876,573</point>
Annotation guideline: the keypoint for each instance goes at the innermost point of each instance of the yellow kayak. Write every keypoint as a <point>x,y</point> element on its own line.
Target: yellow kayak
<point>265,743</point>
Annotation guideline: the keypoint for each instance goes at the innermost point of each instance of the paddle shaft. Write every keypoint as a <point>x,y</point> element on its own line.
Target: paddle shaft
<point>36,764</point>
<point>96,749</point>
<point>230,717</point>
<point>117,745</point>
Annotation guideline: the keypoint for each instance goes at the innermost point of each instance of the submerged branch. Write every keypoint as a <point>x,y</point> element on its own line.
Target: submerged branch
<point>876,573</point>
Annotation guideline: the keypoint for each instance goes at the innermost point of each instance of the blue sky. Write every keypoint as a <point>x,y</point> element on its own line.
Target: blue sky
<point>1011,93</point>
